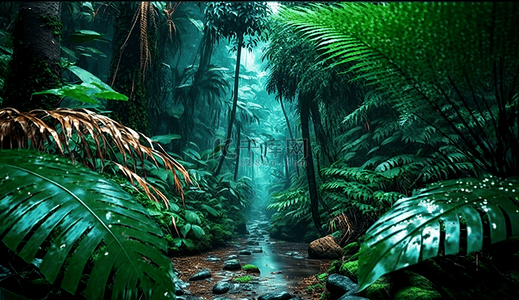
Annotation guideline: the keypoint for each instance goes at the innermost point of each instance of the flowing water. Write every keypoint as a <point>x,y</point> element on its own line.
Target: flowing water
<point>281,263</point>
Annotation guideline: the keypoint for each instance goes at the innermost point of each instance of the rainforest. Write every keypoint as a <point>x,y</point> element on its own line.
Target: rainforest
<point>259,150</point>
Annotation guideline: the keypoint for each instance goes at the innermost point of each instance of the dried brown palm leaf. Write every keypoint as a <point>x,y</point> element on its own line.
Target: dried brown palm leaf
<point>18,130</point>
<point>174,225</point>
<point>144,184</point>
<point>55,129</point>
<point>342,223</point>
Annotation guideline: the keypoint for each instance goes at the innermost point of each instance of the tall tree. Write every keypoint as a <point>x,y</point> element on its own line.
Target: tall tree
<point>234,20</point>
<point>35,64</point>
<point>134,53</point>
<point>291,58</point>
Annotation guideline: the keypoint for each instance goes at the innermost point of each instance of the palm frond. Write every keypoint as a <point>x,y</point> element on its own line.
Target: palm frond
<point>84,135</point>
<point>445,218</point>
<point>80,227</point>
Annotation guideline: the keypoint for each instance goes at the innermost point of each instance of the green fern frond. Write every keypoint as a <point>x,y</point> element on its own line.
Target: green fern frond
<point>394,161</point>
<point>354,174</point>
<point>289,200</point>
<point>430,68</point>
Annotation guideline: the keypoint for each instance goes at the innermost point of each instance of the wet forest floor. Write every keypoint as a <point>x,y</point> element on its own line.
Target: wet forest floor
<point>283,267</point>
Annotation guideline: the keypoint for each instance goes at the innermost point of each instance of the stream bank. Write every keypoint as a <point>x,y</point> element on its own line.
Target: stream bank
<point>283,268</point>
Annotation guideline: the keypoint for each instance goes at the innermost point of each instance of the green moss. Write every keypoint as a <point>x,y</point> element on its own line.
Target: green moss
<point>243,279</point>
<point>314,287</point>
<point>203,242</point>
<point>31,75</point>
<point>221,233</point>
<point>350,249</point>
<point>378,290</point>
<point>55,24</point>
<point>334,267</point>
<point>322,277</point>
<point>251,268</point>
<point>418,280</point>
<point>128,75</point>
<point>416,293</point>
<point>349,269</point>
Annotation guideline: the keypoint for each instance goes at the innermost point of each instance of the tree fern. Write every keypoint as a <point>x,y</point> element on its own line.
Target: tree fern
<point>460,78</point>
<point>453,67</point>
<point>348,188</point>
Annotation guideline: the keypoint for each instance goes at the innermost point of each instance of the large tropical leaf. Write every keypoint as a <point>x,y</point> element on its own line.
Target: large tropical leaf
<point>81,36</point>
<point>88,91</point>
<point>75,225</point>
<point>445,218</point>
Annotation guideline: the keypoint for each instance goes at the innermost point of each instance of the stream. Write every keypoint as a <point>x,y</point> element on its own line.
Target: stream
<point>282,265</point>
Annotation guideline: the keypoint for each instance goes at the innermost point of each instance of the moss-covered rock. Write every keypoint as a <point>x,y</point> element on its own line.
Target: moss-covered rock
<point>322,277</point>
<point>251,268</point>
<point>378,290</point>
<point>334,267</point>
<point>350,249</point>
<point>349,269</point>
<point>418,280</point>
<point>407,285</point>
<point>416,293</point>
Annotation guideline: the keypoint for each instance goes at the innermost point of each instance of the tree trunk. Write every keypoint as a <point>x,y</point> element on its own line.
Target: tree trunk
<point>126,69</point>
<point>205,51</point>
<point>287,171</point>
<point>234,105</point>
<point>289,129</point>
<point>286,117</point>
<point>252,166</point>
<point>35,65</point>
<point>237,154</point>
<point>310,171</point>
<point>320,134</point>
